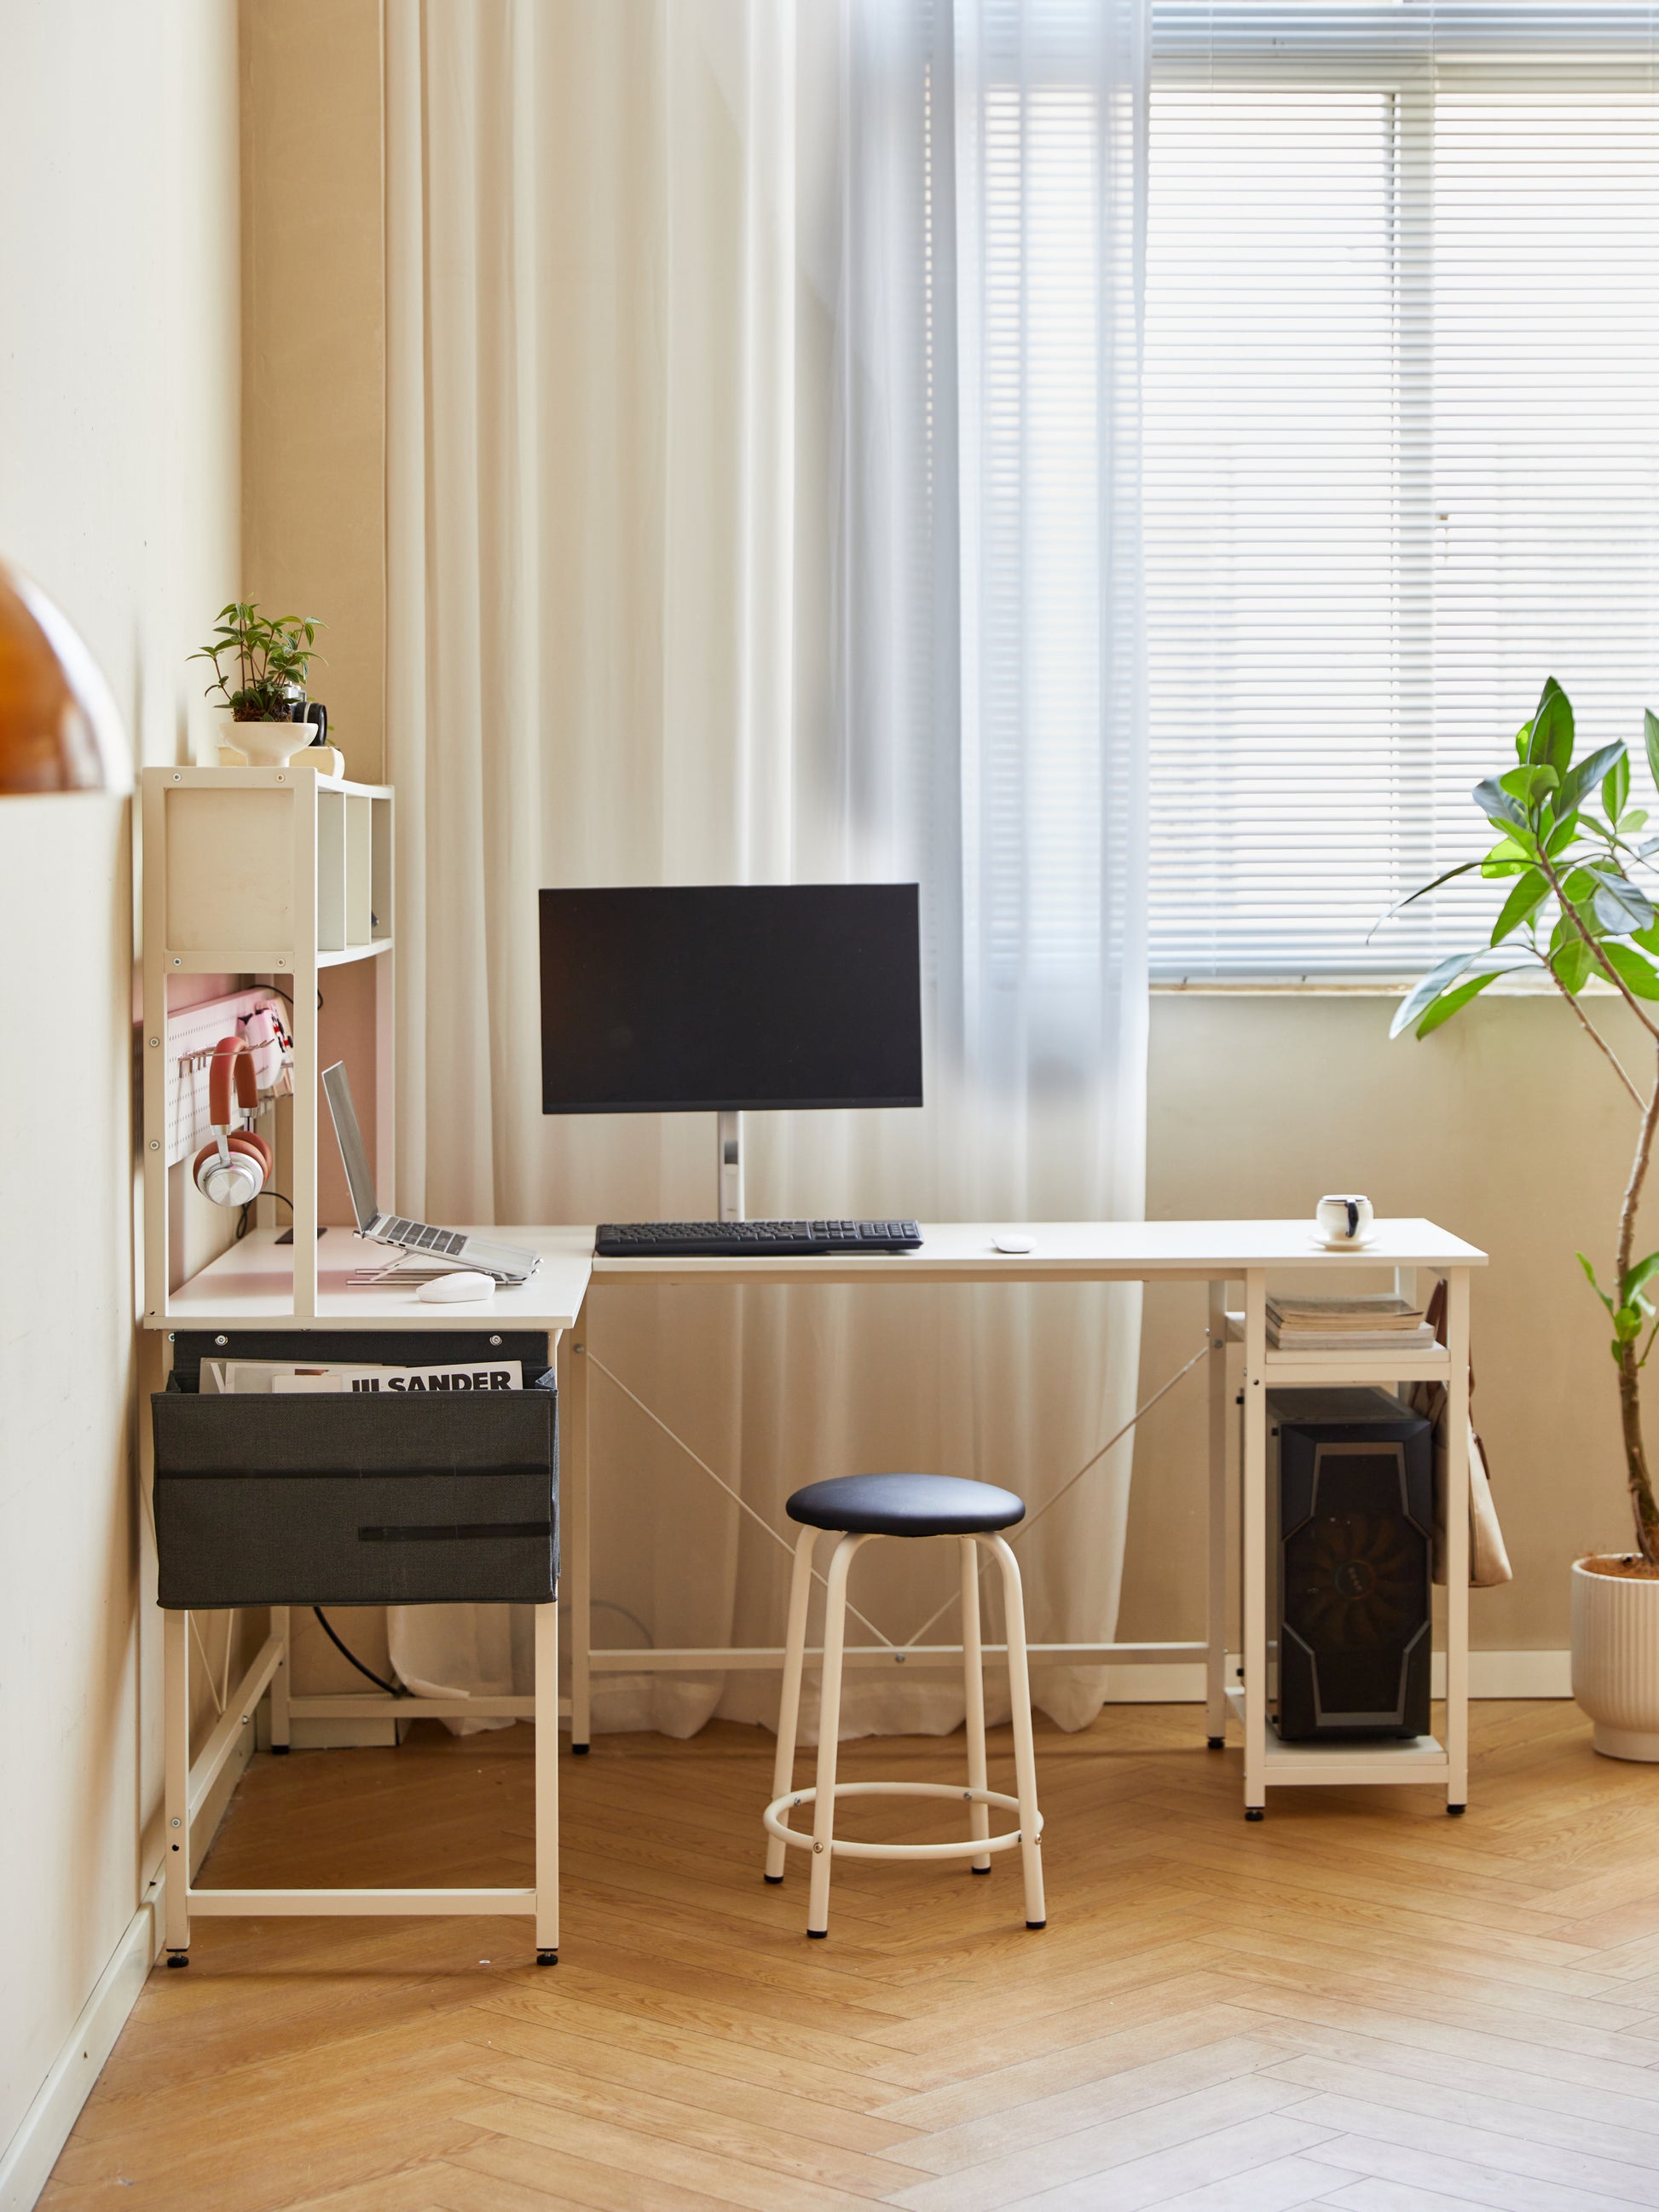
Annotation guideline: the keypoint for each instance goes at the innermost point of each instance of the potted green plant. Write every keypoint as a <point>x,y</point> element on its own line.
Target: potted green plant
<point>1575,911</point>
<point>259,670</point>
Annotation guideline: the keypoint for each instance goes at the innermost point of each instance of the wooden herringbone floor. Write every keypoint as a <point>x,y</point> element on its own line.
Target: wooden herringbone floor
<point>1358,2004</point>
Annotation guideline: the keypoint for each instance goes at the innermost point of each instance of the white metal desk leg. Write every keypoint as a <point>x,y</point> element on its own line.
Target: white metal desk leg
<point>1457,1540</point>
<point>1215,1672</point>
<point>281,1731</point>
<point>573,1504</point>
<point>1252,1542</point>
<point>175,1758</point>
<point>547,1784</point>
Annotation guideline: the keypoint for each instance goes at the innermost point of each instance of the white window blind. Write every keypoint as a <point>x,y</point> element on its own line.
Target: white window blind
<point>1402,449</point>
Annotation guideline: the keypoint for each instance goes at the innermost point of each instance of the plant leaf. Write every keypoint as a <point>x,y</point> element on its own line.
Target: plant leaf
<point>1529,785</point>
<point>1497,805</point>
<point>1569,961</point>
<point>1528,892</point>
<point>1640,1274</point>
<point>1637,974</point>
<point>1578,782</point>
<point>1620,906</point>
<point>1449,1002</point>
<point>1650,735</point>
<point>1423,993</point>
<point>1615,787</point>
<point>1550,742</point>
<point>1589,1277</point>
<point>1462,869</point>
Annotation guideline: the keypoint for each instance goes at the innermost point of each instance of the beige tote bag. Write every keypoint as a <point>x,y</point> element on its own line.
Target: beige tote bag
<point>1489,1561</point>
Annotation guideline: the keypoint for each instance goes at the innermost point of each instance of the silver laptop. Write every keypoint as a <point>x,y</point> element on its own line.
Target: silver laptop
<point>508,1263</point>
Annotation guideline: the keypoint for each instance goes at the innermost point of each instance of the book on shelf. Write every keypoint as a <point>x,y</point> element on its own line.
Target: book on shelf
<point>284,1378</point>
<point>1375,1322</point>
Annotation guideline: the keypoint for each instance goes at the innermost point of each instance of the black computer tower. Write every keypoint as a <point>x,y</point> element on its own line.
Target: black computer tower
<point>1350,1563</point>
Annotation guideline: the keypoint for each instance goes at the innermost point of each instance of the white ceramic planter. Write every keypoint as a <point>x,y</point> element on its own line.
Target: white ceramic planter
<point>268,745</point>
<point>1615,1661</point>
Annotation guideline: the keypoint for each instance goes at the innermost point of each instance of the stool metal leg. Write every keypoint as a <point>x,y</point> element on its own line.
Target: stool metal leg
<point>824,1805</point>
<point>973,1675</point>
<point>794,1649</point>
<point>1019,1690</point>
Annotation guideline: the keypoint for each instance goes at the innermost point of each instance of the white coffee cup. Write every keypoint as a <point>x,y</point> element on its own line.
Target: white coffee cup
<point>1344,1220</point>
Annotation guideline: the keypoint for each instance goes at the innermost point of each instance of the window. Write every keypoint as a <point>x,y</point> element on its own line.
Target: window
<point>1402,449</point>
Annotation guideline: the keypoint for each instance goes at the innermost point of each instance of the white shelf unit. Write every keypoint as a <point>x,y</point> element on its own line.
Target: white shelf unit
<point>272,874</point>
<point>1269,1762</point>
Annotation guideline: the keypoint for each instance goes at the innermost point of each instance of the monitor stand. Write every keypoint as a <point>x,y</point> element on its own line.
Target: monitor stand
<point>729,1134</point>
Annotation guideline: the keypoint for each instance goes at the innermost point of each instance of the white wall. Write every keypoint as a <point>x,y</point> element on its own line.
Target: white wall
<point>119,470</point>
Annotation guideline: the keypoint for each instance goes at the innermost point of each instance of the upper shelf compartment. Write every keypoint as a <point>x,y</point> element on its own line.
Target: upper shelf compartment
<point>263,866</point>
<point>354,871</point>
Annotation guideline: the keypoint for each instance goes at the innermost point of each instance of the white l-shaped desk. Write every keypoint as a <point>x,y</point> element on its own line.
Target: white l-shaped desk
<point>250,1288</point>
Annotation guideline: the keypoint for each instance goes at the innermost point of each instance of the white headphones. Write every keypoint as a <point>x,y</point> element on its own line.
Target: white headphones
<point>234,1167</point>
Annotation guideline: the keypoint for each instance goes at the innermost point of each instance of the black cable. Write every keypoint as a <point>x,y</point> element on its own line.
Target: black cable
<point>378,1680</point>
<point>281,994</point>
<point>241,1218</point>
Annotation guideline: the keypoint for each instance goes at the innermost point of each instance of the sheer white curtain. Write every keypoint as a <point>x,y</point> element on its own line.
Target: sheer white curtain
<point>764,506</point>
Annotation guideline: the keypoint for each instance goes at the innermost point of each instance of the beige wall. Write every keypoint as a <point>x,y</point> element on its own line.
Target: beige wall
<point>314,338</point>
<point>118,491</point>
<point>1505,1127</point>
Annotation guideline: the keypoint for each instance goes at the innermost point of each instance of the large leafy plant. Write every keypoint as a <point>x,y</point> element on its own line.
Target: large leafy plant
<point>267,657</point>
<point>1570,847</point>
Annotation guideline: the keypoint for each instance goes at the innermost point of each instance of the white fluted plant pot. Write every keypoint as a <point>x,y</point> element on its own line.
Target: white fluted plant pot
<point>1615,1660</point>
<point>269,745</point>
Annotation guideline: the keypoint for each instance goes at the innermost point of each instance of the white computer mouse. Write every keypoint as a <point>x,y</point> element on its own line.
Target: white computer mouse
<point>1011,1240</point>
<point>464,1285</point>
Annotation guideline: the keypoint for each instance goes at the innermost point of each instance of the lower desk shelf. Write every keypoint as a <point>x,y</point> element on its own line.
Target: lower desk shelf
<point>1390,1759</point>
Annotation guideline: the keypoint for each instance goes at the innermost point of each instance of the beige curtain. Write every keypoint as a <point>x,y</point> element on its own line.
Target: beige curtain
<point>621,456</point>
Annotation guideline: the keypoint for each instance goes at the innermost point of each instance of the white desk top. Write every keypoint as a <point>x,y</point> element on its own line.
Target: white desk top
<point>251,1284</point>
<point>1082,1251</point>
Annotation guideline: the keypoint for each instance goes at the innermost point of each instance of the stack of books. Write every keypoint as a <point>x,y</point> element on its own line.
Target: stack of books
<point>1380,1323</point>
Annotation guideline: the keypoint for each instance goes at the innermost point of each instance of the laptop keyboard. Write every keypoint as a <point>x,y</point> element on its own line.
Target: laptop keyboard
<point>421,1236</point>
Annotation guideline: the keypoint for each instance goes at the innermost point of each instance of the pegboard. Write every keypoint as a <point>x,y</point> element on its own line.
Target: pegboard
<point>260,1015</point>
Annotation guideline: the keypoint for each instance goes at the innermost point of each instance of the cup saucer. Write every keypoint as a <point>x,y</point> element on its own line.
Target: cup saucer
<point>1343,1243</point>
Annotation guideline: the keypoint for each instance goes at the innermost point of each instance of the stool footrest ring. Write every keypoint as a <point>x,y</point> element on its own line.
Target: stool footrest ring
<point>974,1847</point>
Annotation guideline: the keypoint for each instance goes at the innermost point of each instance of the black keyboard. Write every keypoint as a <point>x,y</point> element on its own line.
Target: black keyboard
<point>740,1239</point>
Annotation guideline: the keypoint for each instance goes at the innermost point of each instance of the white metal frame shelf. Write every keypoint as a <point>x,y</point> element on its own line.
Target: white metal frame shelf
<point>277,874</point>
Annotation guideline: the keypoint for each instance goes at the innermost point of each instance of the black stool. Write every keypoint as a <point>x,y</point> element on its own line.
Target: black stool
<point>857,1507</point>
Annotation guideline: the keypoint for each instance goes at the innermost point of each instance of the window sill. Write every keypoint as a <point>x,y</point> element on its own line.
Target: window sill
<point>1338,987</point>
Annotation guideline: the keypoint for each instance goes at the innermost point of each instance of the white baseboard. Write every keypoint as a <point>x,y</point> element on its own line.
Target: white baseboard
<point>1492,1675</point>
<point>1515,1674</point>
<point>26,2162</point>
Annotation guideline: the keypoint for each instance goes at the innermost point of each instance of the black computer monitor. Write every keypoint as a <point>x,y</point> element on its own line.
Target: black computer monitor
<point>716,998</point>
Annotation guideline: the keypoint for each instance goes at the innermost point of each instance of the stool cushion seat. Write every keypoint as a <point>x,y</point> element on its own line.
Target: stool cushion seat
<point>905,1505</point>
